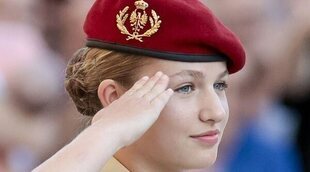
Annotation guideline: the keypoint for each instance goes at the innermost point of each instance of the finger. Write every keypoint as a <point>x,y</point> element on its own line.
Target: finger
<point>148,85</point>
<point>161,100</point>
<point>137,85</point>
<point>158,88</point>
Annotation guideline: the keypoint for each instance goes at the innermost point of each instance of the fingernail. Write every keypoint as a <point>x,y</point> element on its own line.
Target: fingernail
<point>159,73</point>
<point>145,78</point>
<point>170,91</point>
<point>164,77</point>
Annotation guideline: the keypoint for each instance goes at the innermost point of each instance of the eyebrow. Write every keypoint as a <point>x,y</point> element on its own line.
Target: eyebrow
<point>196,74</point>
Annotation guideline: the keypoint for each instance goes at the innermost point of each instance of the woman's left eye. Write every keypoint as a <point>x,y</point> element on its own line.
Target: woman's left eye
<point>186,89</point>
<point>220,86</point>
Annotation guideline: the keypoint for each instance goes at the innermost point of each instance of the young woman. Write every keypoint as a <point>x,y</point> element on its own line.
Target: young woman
<point>153,76</point>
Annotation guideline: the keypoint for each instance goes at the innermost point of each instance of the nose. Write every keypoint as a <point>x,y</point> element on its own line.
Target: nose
<point>213,107</point>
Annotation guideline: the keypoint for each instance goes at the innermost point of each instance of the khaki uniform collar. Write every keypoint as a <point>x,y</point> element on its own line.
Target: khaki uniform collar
<point>113,165</point>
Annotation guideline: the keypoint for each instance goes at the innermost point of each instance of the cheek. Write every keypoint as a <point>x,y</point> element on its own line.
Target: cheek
<point>177,118</point>
<point>225,106</point>
<point>224,102</point>
<point>179,110</point>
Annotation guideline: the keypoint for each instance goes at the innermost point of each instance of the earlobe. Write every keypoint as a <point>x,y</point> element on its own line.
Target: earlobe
<point>108,92</point>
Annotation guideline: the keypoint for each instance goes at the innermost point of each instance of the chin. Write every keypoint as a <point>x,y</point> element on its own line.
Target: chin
<point>204,159</point>
<point>209,159</point>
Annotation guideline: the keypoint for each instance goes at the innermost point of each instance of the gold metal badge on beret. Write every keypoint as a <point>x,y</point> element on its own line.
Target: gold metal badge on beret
<point>138,20</point>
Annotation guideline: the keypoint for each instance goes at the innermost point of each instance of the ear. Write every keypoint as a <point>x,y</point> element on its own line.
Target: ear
<point>108,91</point>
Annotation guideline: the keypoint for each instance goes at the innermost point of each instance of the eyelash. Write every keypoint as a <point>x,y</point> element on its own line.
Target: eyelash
<point>185,86</point>
<point>221,86</point>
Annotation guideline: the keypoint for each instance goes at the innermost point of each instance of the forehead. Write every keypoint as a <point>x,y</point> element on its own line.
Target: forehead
<point>170,68</point>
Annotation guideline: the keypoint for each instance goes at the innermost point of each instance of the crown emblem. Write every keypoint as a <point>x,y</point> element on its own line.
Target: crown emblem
<point>141,5</point>
<point>138,20</point>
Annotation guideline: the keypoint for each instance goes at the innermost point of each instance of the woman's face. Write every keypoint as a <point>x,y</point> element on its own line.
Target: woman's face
<point>198,107</point>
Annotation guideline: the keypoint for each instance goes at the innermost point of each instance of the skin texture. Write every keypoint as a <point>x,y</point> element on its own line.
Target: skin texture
<point>149,126</point>
<point>167,145</point>
<point>124,119</point>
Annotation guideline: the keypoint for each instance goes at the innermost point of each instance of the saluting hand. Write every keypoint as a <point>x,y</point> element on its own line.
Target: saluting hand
<point>130,116</point>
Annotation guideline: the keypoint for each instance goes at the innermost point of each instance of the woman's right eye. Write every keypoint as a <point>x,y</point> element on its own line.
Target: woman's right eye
<point>186,89</point>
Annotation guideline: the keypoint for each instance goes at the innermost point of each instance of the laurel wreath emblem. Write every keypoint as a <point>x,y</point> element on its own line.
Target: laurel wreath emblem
<point>138,21</point>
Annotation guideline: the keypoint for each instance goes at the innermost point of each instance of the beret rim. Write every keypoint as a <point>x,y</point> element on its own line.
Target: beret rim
<point>184,57</point>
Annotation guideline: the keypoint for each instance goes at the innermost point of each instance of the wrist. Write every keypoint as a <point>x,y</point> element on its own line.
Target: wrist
<point>109,132</point>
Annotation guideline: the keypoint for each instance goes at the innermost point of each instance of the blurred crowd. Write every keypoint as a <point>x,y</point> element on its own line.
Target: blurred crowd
<point>269,99</point>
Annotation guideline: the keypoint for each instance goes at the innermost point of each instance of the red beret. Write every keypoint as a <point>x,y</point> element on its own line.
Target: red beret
<point>181,30</point>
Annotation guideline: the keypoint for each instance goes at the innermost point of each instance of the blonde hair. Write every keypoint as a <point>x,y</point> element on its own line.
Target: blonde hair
<point>89,66</point>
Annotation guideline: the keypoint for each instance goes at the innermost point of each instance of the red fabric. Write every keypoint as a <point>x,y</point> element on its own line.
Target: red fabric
<point>188,27</point>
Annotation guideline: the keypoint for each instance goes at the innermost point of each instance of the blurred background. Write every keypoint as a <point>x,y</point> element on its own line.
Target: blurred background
<point>269,100</point>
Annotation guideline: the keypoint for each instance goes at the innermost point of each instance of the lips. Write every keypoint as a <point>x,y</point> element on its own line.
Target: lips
<point>209,137</point>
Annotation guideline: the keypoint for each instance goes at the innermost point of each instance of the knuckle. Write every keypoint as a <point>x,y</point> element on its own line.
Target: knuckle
<point>161,82</point>
<point>149,86</point>
<point>158,90</point>
<point>130,93</point>
<point>146,98</point>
